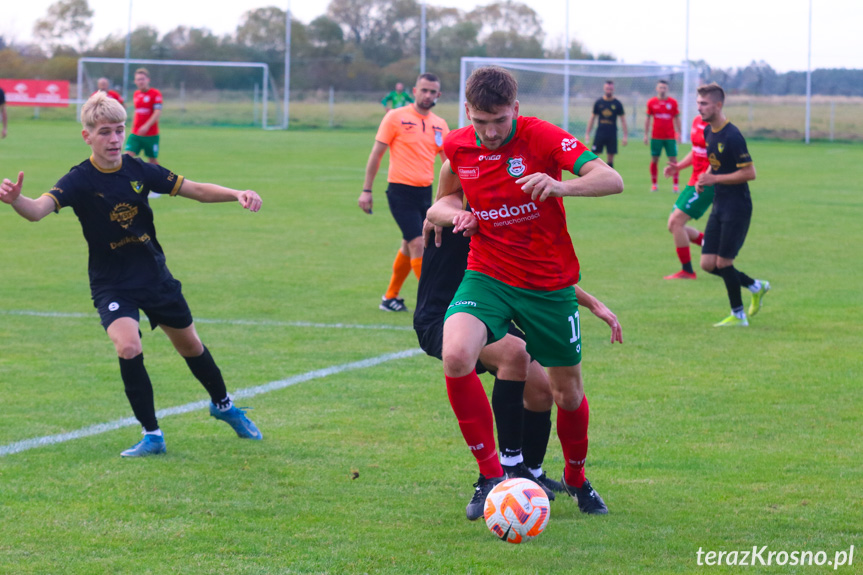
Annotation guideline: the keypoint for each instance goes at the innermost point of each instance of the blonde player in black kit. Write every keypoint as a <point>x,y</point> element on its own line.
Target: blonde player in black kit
<point>731,168</point>
<point>108,193</point>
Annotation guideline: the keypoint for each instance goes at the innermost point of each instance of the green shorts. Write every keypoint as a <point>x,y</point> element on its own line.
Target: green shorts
<point>549,319</point>
<point>149,145</point>
<point>670,147</point>
<point>693,204</point>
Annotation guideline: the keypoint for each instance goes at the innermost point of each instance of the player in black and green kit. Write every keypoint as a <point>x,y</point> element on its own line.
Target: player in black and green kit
<point>607,109</point>
<point>731,169</point>
<point>109,194</point>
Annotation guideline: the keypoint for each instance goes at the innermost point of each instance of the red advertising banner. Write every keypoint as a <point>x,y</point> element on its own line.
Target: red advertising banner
<point>52,93</point>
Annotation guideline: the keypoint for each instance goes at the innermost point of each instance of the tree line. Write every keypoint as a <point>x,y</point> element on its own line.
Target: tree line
<point>357,45</point>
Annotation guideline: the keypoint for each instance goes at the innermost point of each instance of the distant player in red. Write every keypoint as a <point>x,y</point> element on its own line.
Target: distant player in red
<point>145,126</point>
<point>666,131</point>
<point>521,267</point>
<point>690,204</point>
<point>104,85</point>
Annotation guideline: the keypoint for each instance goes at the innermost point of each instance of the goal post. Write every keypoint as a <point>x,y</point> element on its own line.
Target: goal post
<point>196,92</point>
<point>563,91</point>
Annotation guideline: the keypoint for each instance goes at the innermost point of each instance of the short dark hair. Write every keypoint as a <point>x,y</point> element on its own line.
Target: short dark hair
<point>428,76</point>
<point>610,82</point>
<point>490,87</point>
<point>713,91</point>
<point>663,82</point>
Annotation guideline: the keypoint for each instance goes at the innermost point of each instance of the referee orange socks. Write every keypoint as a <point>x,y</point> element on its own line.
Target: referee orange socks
<point>401,269</point>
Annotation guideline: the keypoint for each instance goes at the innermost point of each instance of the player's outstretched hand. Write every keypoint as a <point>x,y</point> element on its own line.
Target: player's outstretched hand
<point>540,186</point>
<point>602,312</point>
<point>250,200</point>
<point>10,191</point>
<point>465,222</point>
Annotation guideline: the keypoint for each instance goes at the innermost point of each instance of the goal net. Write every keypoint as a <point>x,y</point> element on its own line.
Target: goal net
<point>563,91</point>
<point>194,92</point>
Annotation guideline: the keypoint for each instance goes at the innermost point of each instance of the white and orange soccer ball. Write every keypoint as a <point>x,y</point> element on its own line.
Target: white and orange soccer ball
<point>516,510</point>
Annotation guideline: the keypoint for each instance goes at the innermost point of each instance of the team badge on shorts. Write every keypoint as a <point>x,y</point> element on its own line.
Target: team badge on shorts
<point>515,166</point>
<point>113,306</point>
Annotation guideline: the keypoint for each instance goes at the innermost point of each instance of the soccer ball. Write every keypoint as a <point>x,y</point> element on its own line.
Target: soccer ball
<point>516,510</point>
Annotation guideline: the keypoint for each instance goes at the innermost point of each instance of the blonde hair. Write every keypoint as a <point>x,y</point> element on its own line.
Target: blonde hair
<point>101,109</point>
<point>143,71</point>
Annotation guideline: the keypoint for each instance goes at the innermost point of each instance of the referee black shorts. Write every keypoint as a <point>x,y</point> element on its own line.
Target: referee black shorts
<point>408,205</point>
<point>726,231</point>
<point>605,139</point>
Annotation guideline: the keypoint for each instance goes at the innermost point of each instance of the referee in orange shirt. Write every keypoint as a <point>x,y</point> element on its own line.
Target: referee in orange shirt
<point>414,136</point>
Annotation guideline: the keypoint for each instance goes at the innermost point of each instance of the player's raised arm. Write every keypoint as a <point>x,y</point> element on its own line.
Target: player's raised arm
<point>213,193</point>
<point>28,208</point>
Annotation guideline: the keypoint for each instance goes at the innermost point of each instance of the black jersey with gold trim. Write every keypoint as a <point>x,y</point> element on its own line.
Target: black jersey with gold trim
<point>117,221</point>
<point>727,153</point>
<point>607,111</point>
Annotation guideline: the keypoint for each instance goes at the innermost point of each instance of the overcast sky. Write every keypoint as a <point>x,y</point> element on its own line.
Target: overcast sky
<point>725,33</point>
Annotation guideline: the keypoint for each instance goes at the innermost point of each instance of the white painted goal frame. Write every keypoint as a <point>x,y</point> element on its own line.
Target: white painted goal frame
<point>569,70</point>
<point>266,78</point>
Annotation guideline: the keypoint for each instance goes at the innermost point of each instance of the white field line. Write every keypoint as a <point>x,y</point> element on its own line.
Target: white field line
<point>253,322</point>
<point>35,442</point>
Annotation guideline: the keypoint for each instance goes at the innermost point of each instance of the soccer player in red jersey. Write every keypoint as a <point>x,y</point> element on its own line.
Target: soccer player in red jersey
<point>691,203</point>
<point>145,125</point>
<point>666,131</point>
<point>104,85</point>
<point>522,267</point>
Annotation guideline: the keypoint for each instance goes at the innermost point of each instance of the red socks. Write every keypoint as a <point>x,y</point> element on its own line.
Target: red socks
<point>654,172</point>
<point>683,255</point>
<point>572,432</point>
<point>699,241</point>
<point>471,408</point>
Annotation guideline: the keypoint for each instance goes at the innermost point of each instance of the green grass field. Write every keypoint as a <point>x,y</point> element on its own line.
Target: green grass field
<point>700,438</point>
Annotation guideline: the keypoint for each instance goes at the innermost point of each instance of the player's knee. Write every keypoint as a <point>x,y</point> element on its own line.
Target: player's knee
<point>128,349</point>
<point>457,362</point>
<point>569,399</point>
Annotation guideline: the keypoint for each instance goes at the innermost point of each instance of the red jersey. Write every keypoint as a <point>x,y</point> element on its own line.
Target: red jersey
<point>663,112</point>
<point>145,104</point>
<point>699,149</point>
<point>521,242</point>
<point>111,94</point>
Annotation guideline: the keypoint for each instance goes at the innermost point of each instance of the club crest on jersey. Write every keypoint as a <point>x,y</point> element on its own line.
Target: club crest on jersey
<point>721,147</point>
<point>137,186</point>
<point>438,136</point>
<point>515,166</point>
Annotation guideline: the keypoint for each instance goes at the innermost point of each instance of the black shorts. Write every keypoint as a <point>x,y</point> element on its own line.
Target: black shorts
<point>431,341</point>
<point>726,231</point>
<point>605,139</point>
<point>164,304</point>
<point>408,205</point>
